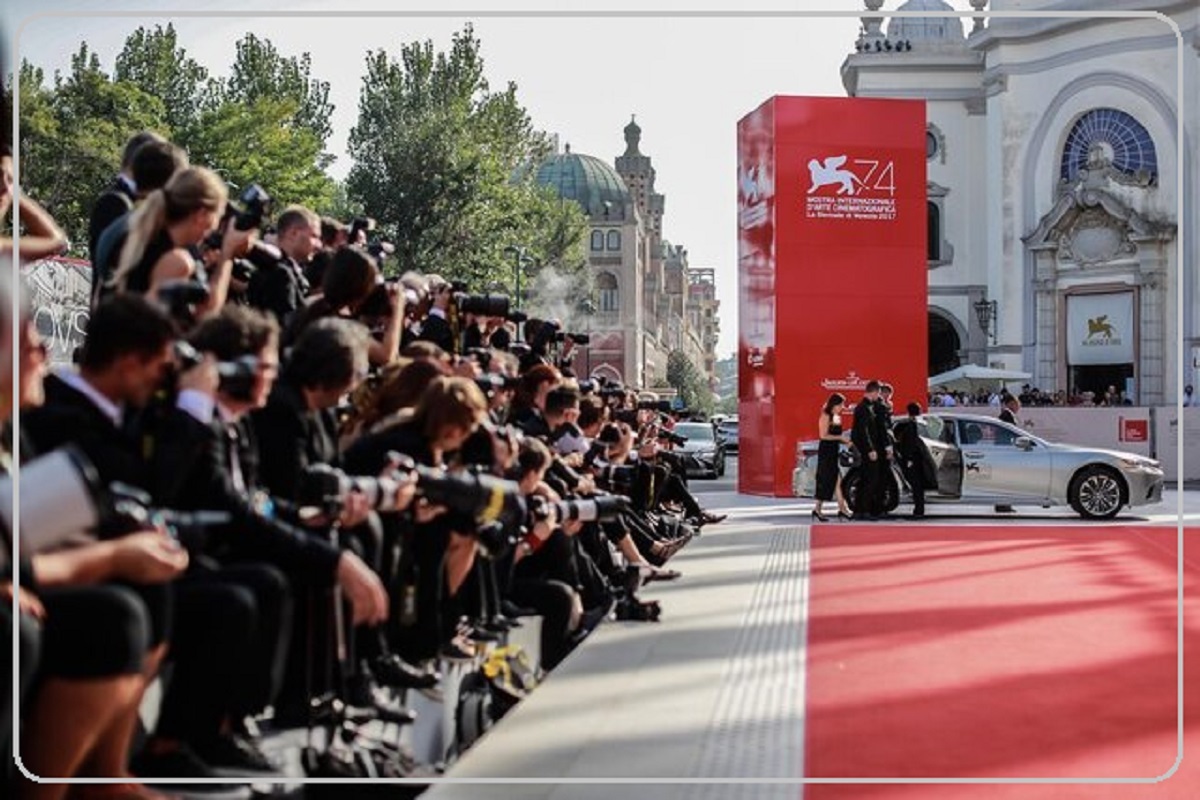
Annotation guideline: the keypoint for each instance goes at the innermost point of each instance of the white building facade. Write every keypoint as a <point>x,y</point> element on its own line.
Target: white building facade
<point>1062,235</point>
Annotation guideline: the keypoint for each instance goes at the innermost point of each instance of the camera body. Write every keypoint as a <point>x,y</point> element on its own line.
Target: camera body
<point>237,377</point>
<point>181,298</point>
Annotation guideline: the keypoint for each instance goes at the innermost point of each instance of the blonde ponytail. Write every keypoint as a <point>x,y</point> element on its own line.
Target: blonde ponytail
<point>186,192</point>
<point>146,220</point>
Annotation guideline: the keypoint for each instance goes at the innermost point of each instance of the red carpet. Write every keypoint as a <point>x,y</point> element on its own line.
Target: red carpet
<point>996,652</point>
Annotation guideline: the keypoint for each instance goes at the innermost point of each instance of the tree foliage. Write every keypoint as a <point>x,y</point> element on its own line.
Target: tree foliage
<point>72,134</point>
<point>153,61</point>
<point>689,382</point>
<point>267,123</point>
<point>442,161</point>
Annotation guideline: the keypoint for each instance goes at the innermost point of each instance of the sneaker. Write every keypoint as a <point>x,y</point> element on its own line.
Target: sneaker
<point>234,754</point>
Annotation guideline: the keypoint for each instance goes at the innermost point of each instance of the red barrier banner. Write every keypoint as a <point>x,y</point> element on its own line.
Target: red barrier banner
<point>832,268</point>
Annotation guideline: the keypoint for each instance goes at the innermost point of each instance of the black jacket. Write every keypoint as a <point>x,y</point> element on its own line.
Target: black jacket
<point>208,485</point>
<point>291,438</point>
<point>280,290</point>
<point>116,200</point>
<point>864,434</point>
<point>1006,415</point>
<point>913,453</point>
<point>437,330</point>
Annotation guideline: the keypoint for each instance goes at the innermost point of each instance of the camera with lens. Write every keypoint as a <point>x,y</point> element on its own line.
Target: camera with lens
<point>181,298</point>
<point>489,383</point>
<point>602,508</point>
<point>64,502</point>
<point>260,256</point>
<point>618,479</point>
<point>483,305</point>
<point>254,204</point>
<point>251,208</point>
<point>236,378</point>
<point>327,489</point>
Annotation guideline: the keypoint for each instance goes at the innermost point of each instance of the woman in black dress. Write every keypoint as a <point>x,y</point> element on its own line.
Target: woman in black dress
<point>829,479</point>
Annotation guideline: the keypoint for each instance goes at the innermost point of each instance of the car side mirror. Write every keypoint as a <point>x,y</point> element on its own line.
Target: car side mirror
<point>1023,443</point>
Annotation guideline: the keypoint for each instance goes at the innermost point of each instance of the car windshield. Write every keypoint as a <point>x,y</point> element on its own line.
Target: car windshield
<point>695,430</point>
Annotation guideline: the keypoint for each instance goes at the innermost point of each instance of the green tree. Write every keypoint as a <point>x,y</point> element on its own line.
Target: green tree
<point>441,160</point>
<point>260,72</point>
<point>260,142</point>
<point>689,381</point>
<point>153,61</point>
<point>72,134</point>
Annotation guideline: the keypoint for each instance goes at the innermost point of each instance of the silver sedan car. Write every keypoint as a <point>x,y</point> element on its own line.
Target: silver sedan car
<point>982,460</point>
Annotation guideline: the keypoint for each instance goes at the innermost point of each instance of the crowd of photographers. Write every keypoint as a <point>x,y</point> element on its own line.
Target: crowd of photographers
<point>279,479</point>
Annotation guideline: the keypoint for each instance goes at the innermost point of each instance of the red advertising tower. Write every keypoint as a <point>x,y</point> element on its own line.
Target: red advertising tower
<point>832,268</point>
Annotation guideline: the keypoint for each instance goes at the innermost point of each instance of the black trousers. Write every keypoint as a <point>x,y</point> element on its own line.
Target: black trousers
<point>915,475</point>
<point>870,490</point>
<point>231,625</point>
<point>552,600</point>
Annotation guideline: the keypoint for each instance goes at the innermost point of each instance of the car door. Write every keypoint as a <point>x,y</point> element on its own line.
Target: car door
<point>939,438</point>
<point>995,467</point>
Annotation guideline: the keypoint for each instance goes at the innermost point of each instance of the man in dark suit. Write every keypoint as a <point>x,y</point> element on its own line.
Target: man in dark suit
<point>436,325</point>
<point>281,289</point>
<point>913,458</point>
<point>1010,405</point>
<point>865,437</point>
<point>118,197</point>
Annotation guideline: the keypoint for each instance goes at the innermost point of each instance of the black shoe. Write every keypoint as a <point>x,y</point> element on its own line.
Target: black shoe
<point>817,515</point>
<point>455,651</point>
<point>391,670</point>
<point>708,518</point>
<point>844,515</point>
<point>234,754</point>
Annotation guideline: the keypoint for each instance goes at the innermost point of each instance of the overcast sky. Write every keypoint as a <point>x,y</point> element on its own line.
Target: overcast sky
<point>688,80</point>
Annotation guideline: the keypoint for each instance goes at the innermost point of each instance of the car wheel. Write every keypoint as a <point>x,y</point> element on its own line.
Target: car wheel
<point>850,483</point>
<point>891,496</point>
<point>1097,492</point>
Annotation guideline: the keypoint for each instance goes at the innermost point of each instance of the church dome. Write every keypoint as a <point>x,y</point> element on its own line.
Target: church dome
<point>587,180</point>
<point>925,31</point>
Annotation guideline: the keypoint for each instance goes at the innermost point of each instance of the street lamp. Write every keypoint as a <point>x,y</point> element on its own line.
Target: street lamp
<point>521,259</point>
<point>987,311</point>
<point>587,309</point>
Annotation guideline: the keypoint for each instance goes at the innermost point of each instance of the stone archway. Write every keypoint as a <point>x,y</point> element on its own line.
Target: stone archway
<point>945,344</point>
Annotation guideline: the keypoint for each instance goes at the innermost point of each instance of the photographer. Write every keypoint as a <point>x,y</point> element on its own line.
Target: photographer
<point>166,225</point>
<point>544,571</point>
<point>281,288</point>
<point>350,280</point>
<point>119,196</point>
<point>435,327</point>
<point>100,644</point>
<point>441,554</point>
<point>225,478</point>
<point>153,165</point>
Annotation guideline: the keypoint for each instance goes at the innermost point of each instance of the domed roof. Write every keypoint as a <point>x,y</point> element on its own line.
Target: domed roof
<point>926,30</point>
<point>586,180</point>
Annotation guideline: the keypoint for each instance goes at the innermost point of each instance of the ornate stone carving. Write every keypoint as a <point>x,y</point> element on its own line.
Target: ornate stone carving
<point>1095,237</point>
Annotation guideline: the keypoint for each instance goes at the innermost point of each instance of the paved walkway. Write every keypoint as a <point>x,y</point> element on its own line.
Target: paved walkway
<point>714,691</point>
